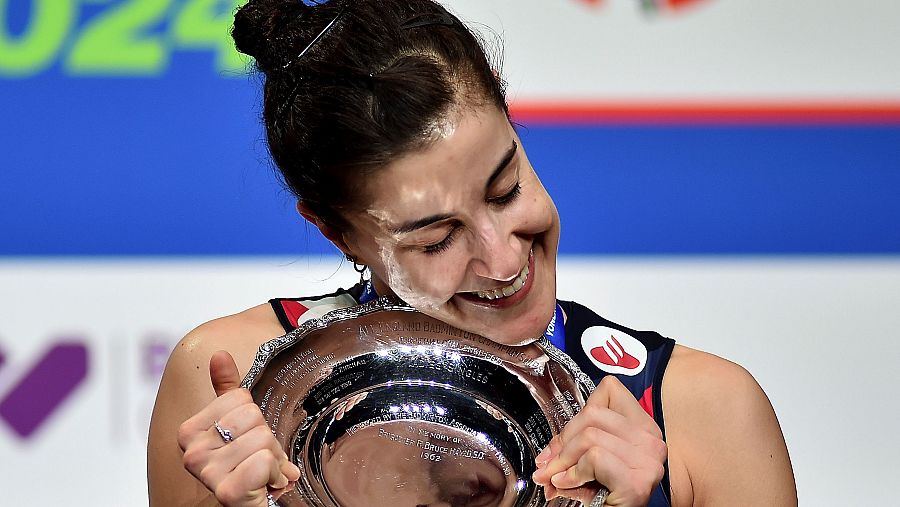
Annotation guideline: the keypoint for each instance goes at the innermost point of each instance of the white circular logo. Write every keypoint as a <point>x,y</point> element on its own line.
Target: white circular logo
<point>614,351</point>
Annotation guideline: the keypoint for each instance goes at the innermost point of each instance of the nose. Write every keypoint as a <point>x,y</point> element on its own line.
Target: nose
<point>498,255</point>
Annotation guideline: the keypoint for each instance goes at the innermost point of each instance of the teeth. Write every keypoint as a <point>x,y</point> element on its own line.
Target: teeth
<point>507,291</point>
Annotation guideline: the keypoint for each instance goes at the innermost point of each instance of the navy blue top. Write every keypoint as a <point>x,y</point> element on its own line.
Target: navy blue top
<point>637,358</point>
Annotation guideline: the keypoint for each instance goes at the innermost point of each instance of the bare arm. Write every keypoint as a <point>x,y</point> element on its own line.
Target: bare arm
<point>185,390</point>
<point>723,433</point>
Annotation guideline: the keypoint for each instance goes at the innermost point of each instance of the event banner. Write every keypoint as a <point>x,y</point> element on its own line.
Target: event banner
<point>132,127</point>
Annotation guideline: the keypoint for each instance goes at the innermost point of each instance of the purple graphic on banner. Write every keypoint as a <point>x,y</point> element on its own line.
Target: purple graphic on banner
<point>2,358</point>
<point>155,354</point>
<point>43,389</point>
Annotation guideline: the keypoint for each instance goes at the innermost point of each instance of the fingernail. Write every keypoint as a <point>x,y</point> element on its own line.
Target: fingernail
<point>544,455</point>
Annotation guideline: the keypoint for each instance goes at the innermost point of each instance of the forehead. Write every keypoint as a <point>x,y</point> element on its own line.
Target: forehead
<point>442,175</point>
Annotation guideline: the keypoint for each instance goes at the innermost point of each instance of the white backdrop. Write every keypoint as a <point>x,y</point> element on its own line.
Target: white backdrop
<point>743,50</point>
<point>820,335</point>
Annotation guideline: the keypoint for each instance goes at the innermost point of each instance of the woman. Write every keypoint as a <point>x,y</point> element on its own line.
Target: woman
<point>391,127</point>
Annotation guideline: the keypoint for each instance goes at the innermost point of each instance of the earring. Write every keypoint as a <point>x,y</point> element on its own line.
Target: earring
<point>359,268</point>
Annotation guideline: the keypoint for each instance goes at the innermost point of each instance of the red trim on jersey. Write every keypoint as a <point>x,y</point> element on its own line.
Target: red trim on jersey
<point>646,401</point>
<point>735,112</point>
<point>293,310</point>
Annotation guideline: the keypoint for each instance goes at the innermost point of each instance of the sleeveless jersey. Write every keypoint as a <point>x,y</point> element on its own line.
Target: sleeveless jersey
<point>599,347</point>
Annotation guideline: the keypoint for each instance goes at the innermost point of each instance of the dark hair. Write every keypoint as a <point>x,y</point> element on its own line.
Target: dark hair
<point>374,80</point>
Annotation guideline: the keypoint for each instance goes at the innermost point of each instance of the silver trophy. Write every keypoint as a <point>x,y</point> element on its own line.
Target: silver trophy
<point>379,404</point>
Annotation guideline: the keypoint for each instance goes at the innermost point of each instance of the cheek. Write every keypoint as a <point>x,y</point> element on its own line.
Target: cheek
<point>425,282</point>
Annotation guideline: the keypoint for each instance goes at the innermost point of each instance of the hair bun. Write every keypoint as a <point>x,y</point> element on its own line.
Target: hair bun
<point>256,27</point>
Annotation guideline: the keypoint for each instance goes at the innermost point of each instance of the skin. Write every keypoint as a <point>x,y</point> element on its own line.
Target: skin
<point>724,445</point>
<point>489,240</point>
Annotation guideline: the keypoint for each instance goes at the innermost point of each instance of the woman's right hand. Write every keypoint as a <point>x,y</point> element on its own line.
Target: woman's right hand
<point>243,471</point>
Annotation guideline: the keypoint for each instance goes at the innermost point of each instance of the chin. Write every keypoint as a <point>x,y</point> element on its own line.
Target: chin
<point>516,320</point>
<point>526,329</point>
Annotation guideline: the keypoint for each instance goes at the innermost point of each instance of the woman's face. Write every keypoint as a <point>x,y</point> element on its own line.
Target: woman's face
<point>464,231</point>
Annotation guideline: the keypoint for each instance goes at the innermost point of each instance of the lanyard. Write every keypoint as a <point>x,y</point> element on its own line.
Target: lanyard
<point>555,334</point>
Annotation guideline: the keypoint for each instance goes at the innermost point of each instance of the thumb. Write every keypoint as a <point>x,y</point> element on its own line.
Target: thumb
<point>223,373</point>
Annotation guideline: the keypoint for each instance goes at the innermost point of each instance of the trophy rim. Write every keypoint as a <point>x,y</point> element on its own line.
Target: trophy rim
<point>271,348</point>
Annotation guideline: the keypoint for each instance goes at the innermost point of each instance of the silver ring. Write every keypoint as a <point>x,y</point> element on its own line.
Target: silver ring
<point>226,435</point>
<point>600,499</point>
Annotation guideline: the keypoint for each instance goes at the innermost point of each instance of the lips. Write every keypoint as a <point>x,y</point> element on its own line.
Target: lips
<point>509,290</point>
<point>508,295</point>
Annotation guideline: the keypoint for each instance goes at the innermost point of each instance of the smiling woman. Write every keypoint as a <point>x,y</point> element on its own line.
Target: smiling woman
<point>470,208</point>
<point>391,127</point>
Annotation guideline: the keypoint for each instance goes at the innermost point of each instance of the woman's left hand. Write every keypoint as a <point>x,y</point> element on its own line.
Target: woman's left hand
<point>611,441</point>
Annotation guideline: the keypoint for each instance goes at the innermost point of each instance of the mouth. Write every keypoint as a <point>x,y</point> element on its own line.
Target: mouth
<point>509,294</point>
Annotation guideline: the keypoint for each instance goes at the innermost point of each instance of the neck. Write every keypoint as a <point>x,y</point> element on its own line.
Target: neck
<point>381,288</point>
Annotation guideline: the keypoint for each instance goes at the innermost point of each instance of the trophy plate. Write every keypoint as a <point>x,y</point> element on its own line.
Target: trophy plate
<point>379,404</point>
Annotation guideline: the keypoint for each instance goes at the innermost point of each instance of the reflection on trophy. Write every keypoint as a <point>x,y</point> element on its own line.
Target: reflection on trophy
<point>379,404</point>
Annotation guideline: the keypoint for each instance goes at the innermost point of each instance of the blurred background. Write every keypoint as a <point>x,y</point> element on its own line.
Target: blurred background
<point>727,172</point>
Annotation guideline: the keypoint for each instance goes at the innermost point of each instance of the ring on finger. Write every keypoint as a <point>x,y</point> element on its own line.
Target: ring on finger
<point>227,435</point>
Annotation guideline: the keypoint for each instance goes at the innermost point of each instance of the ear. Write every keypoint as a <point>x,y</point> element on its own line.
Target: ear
<point>333,235</point>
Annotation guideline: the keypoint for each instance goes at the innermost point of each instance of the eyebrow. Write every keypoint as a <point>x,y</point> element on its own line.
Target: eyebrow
<point>510,153</point>
<point>429,220</point>
<point>420,223</point>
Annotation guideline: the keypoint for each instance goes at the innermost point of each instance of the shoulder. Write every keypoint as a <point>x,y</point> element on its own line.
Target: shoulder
<point>722,431</point>
<point>702,390</point>
<point>240,334</point>
<point>699,385</point>
<point>696,377</point>
<point>185,383</point>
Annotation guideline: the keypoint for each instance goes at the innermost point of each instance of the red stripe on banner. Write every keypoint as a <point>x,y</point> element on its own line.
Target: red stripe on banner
<point>680,4</point>
<point>707,113</point>
<point>646,401</point>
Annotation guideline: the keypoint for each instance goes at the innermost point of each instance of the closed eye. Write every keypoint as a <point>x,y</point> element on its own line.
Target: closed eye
<point>508,197</point>
<point>444,244</point>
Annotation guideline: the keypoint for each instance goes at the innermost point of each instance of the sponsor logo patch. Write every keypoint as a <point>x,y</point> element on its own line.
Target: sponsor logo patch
<point>614,351</point>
